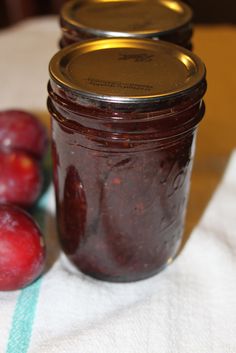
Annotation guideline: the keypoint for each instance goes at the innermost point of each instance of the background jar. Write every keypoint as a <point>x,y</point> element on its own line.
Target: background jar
<point>123,145</point>
<point>159,19</point>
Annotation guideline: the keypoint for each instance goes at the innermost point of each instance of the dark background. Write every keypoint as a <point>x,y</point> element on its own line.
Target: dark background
<point>206,11</point>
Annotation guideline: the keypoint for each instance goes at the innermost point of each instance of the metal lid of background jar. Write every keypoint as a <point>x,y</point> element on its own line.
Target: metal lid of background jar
<point>127,71</point>
<point>125,18</point>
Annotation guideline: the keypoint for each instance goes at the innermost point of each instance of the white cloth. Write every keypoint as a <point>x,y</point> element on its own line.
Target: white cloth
<point>25,53</point>
<point>190,307</point>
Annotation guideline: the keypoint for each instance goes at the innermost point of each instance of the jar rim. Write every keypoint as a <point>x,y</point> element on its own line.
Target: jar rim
<point>140,18</point>
<point>131,72</point>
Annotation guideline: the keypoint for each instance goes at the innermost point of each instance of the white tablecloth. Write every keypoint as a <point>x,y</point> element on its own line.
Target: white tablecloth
<point>25,53</point>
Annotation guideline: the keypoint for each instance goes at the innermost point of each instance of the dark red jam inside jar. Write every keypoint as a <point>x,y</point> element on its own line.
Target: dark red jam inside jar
<point>153,19</point>
<point>124,118</point>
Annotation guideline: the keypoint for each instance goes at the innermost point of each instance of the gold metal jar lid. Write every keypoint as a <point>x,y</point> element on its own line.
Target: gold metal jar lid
<point>125,18</point>
<point>127,71</point>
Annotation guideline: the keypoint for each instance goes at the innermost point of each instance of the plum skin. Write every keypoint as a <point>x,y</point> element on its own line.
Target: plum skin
<point>20,178</point>
<point>22,130</point>
<point>22,249</point>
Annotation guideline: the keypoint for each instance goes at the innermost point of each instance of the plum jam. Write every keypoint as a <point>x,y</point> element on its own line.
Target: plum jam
<point>124,117</point>
<point>159,19</point>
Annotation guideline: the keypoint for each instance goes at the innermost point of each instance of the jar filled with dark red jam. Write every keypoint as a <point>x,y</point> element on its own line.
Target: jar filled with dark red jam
<point>169,20</point>
<point>124,118</point>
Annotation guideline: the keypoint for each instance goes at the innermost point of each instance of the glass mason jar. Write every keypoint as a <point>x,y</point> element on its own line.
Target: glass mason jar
<point>154,19</point>
<point>124,117</point>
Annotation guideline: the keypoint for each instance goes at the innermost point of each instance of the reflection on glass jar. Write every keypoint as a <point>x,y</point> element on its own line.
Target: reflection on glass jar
<point>159,19</point>
<point>123,152</point>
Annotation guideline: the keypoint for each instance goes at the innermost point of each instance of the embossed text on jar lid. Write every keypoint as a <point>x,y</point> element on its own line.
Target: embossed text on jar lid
<point>127,70</point>
<point>126,18</point>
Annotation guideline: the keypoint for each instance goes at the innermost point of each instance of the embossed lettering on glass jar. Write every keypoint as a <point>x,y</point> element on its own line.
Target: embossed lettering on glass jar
<point>124,118</point>
<point>169,20</point>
